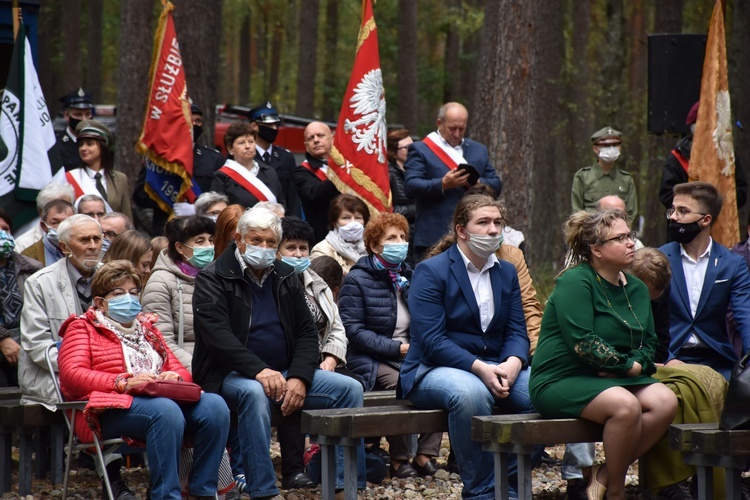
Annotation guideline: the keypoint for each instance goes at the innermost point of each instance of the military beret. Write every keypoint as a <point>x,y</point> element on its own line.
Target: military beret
<point>78,99</point>
<point>94,130</point>
<point>692,116</point>
<point>605,133</point>
<point>265,113</point>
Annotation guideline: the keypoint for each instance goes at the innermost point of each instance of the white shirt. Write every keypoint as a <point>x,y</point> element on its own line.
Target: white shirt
<point>695,275</point>
<point>482,287</point>
<point>262,151</point>
<point>92,175</point>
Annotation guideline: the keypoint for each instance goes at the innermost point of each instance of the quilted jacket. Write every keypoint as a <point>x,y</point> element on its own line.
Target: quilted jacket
<point>367,304</point>
<point>90,360</point>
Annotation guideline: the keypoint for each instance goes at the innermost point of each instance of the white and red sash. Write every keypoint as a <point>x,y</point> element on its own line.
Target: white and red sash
<point>451,157</point>
<point>244,178</point>
<point>320,173</point>
<point>83,184</point>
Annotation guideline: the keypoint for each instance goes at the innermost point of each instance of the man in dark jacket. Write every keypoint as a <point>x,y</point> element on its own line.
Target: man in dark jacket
<point>257,346</point>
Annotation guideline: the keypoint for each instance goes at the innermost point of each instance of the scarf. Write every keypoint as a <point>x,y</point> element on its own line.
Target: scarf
<point>350,251</point>
<point>188,269</point>
<point>140,356</point>
<point>400,283</point>
<point>11,301</point>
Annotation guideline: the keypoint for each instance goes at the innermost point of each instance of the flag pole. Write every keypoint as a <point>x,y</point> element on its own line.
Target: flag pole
<point>16,18</point>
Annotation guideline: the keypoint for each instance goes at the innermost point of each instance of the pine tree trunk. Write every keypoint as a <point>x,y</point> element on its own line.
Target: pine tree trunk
<point>244,90</point>
<point>407,65</point>
<point>136,43</point>
<point>94,57</point>
<point>331,93</point>
<point>308,57</point>
<point>72,74</point>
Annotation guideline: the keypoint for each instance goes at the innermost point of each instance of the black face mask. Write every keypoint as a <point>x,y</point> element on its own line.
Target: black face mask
<point>684,233</point>
<point>73,123</point>
<point>197,131</point>
<point>268,134</point>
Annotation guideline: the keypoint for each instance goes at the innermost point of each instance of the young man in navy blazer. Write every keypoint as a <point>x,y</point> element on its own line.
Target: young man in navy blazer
<point>706,279</point>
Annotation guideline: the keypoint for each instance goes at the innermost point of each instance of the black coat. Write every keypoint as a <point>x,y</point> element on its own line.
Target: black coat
<point>224,184</point>
<point>401,203</point>
<point>284,163</point>
<point>316,196</point>
<point>222,310</point>
<point>68,149</point>
<point>368,307</point>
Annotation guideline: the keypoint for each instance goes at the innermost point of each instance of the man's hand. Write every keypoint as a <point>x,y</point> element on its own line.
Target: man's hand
<point>329,364</point>
<point>403,349</point>
<point>674,362</point>
<point>10,349</point>
<point>139,379</point>
<point>294,397</point>
<point>274,383</point>
<point>168,376</point>
<point>455,178</point>
<point>512,367</point>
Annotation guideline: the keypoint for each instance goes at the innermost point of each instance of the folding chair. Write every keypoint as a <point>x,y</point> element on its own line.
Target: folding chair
<point>70,409</point>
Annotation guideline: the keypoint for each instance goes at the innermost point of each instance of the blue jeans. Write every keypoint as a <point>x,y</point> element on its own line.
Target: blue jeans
<point>162,424</point>
<point>248,400</point>
<point>465,396</point>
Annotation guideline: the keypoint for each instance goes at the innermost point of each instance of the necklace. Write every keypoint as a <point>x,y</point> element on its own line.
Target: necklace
<point>609,303</point>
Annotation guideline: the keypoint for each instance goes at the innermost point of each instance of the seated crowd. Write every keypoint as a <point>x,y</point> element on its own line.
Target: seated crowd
<point>271,313</point>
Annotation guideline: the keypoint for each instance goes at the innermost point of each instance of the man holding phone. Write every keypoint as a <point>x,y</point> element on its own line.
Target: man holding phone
<point>439,169</point>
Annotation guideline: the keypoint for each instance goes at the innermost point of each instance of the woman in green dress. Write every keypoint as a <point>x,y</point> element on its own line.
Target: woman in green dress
<point>596,348</point>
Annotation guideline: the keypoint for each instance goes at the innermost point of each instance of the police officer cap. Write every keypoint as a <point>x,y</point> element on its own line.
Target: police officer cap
<point>78,99</point>
<point>194,109</point>
<point>265,113</point>
<point>606,133</point>
<point>93,129</point>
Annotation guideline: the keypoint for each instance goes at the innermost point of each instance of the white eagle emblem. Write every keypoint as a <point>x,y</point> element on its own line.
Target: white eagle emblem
<point>368,102</point>
<point>722,135</point>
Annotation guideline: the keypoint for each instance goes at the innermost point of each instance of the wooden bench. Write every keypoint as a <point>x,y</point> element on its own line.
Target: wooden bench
<point>505,434</point>
<point>706,446</point>
<point>10,393</point>
<point>347,427</point>
<point>29,422</point>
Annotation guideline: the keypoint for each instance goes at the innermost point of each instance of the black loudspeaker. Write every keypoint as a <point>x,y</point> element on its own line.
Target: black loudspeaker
<point>675,66</point>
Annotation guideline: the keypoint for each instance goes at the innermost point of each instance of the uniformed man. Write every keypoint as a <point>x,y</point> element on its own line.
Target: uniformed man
<point>78,106</point>
<point>266,121</point>
<point>205,162</point>
<point>604,178</point>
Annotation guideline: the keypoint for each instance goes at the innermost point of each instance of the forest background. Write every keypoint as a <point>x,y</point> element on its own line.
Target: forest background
<point>538,76</point>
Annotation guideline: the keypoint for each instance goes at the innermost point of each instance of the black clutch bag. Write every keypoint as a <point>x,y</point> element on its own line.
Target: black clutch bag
<point>736,411</point>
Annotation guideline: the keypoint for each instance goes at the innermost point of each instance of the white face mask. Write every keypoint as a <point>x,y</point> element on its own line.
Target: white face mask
<point>609,154</point>
<point>692,128</point>
<point>484,245</point>
<point>352,231</point>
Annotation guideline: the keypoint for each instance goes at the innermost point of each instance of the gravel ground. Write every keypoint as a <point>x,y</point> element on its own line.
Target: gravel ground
<point>547,483</point>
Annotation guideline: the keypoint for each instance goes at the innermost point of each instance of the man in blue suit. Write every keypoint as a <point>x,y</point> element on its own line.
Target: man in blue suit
<point>432,176</point>
<point>706,279</point>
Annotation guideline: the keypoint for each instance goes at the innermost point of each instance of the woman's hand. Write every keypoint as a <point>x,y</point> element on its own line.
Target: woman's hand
<point>169,376</point>
<point>634,370</point>
<point>329,363</point>
<point>140,379</point>
<point>403,349</point>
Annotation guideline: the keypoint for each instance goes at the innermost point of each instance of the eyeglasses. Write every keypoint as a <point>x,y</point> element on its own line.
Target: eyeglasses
<point>118,292</point>
<point>110,235</point>
<point>680,213</point>
<point>623,238</point>
<point>404,147</point>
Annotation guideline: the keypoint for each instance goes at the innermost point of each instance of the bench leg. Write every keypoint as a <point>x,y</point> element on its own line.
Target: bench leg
<point>523,456</point>
<point>501,475</point>
<point>705,477</point>
<point>6,458</point>
<point>41,452</point>
<point>350,472</point>
<point>56,454</point>
<point>328,471</point>
<point>25,450</point>
<point>733,483</point>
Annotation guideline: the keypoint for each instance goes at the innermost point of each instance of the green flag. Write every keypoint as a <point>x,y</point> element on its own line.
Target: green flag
<point>28,157</point>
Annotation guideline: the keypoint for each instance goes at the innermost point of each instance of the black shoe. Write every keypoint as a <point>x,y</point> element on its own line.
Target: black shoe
<point>677,491</point>
<point>120,491</point>
<point>452,466</point>
<point>297,481</point>
<point>576,489</point>
<point>404,471</point>
<point>381,453</point>
<point>428,469</point>
<point>548,460</point>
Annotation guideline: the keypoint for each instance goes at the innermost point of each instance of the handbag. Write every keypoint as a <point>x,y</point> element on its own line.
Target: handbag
<point>179,391</point>
<point>736,411</point>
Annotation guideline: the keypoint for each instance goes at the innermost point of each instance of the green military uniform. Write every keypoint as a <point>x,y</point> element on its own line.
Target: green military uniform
<point>590,184</point>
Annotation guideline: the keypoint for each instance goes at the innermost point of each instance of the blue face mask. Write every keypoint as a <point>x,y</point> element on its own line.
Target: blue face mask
<point>259,257</point>
<point>124,308</point>
<point>394,253</point>
<point>105,245</point>
<point>298,263</point>
<point>52,236</point>
<point>202,256</point>
<point>7,244</point>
